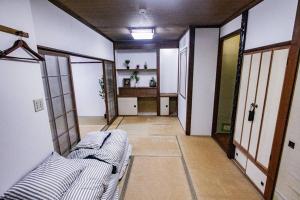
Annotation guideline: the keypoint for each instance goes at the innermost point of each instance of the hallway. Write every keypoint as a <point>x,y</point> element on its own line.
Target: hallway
<point>163,155</point>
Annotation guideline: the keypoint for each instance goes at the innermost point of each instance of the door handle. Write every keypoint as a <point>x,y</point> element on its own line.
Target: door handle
<point>134,106</point>
<point>251,114</point>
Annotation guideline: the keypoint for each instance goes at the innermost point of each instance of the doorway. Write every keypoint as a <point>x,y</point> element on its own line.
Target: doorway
<point>226,75</point>
<point>63,91</point>
<point>89,93</point>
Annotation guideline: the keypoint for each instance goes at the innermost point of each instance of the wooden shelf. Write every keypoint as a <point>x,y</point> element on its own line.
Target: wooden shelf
<point>137,92</point>
<point>138,70</point>
<point>168,94</point>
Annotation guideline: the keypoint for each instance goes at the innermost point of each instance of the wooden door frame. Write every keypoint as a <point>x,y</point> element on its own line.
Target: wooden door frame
<point>284,109</point>
<point>109,122</point>
<point>218,83</point>
<point>54,53</point>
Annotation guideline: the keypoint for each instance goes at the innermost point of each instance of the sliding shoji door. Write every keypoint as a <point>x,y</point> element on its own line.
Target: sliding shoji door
<point>110,91</point>
<point>60,100</point>
<point>261,86</point>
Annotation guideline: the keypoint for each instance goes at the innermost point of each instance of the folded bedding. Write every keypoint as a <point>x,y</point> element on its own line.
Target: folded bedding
<point>92,182</point>
<point>66,179</point>
<point>112,150</point>
<point>50,180</point>
<point>111,189</point>
<point>93,140</point>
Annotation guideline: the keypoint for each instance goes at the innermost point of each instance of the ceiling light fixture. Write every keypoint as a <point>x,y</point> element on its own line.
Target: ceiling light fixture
<point>142,33</point>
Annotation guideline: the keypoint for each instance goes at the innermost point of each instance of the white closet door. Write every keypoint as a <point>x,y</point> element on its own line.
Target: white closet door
<point>242,98</point>
<point>260,99</point>
<point>272,104</point>
<point>253,80</point>
<point>288,182</point>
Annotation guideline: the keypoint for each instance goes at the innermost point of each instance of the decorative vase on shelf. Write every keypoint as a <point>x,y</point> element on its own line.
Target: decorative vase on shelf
<point>145,65</point>
<point>127,63</point>
<point>137,66</point>
<point>152,82</point>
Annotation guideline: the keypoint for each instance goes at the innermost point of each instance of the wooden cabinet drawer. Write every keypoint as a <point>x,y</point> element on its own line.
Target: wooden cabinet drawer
<point>127,105</point>
<point>256,176</point>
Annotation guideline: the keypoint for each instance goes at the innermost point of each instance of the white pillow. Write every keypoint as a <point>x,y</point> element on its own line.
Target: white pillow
<point>92,140</point>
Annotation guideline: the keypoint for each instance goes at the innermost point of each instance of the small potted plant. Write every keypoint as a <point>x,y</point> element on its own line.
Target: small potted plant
<point>137,66</point>
<point>127,63</point>
<point>101,89</point>
<point>134,78</point>
<point>145,65</point>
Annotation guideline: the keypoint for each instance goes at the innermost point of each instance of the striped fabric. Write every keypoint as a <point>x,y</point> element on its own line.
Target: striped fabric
<point>116,195</point>
<point>91,183</point>
<point>112,151</point>
<point>93,140</point>
<point>50,180</point>
<point>111,189</point>
<point>125,161</point>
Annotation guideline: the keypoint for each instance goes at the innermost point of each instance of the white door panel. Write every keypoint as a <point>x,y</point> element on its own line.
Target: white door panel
<point>277,73</point>
<point>242,98</point>
<point>252,86</point>
<point>164,105</point>
<point>256,176</point>
<point>260,98</point>
<point>127,105</point>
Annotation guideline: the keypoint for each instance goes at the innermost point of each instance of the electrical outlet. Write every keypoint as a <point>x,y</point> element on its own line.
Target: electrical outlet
<point>38,105</point>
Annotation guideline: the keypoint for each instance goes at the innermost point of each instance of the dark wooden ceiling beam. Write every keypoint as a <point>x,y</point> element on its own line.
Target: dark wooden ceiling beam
<point>240,11</point>
<point>79,18</point>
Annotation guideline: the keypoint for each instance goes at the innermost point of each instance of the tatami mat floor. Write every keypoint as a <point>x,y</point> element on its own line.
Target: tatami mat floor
<point>168,165</point>
<point>90,124</point>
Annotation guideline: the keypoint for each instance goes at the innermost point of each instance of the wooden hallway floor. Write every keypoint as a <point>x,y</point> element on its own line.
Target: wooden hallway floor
<point>167,165</point>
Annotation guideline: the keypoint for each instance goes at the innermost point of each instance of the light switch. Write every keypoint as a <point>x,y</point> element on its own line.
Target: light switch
<point>38,105</point>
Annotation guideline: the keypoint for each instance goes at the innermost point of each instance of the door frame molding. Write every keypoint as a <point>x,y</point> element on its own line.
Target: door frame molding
<point>284,109</point>
<point>218,83</point>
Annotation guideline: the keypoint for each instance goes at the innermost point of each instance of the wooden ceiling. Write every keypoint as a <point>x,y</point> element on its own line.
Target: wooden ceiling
<point>170,17</point>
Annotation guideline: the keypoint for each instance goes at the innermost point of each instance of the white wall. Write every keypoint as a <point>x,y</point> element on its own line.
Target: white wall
<point>183,43</point>
<point>288,181</point>
<point>86,87</point>
<point>25,135</point>
<point>168,70</point>
<point>270,22</point>
<point>57,29</point>
<point>231,26</point>
<point>205,65</point>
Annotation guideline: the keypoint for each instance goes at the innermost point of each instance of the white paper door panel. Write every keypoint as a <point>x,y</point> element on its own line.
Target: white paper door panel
<point>242,98</point>
<point>240,158</point>
<point>277,73</point>
<point>127,106</point>
<point>253,80</point>
<point>260,99</point>
<point>256,176</point>
<point>164,105</point>
<point>288,182</point>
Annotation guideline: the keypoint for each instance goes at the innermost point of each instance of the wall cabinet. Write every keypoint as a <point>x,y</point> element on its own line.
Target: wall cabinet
<point>260,90</point>
<point>127,105</point>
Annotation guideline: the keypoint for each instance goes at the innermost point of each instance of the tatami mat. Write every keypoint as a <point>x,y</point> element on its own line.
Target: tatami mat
<point>154,145</point>
<point>84,129</point>
<point>157,178</point>
<point>169,165</point>
<point>214,176</point>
